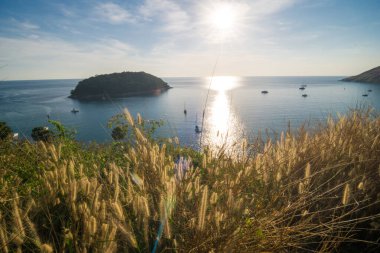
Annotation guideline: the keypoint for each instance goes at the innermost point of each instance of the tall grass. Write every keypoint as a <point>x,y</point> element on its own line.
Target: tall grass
<point>310,191</point>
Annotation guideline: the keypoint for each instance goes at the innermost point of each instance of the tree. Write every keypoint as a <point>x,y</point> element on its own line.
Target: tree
<point>5,131</point>
<point>118,133</point>
<point>42,134</point>
<point>61,131</point>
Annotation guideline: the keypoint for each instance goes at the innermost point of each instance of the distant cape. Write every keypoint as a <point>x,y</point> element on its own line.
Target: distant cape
<point>118,85</point>
<point>370,76</point>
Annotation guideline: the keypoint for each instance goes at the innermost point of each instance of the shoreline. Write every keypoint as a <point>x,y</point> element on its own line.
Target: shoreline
<point>155,92</point>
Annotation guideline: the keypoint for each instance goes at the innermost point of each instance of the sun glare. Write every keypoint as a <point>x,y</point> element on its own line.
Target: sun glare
<point>222,126</point>
<point>223,83</point>
<point>224,19</point>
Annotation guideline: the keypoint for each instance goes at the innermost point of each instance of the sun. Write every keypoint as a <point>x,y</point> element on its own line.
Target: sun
<point>223,20</point>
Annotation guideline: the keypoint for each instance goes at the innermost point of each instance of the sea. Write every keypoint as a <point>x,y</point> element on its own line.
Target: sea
<point>225,108</point>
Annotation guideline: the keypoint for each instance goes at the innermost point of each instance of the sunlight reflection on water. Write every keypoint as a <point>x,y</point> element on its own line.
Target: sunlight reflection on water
<point>222,126</point>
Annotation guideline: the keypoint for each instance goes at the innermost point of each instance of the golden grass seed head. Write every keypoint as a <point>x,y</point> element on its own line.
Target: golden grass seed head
<point>128,234</point>
<point>145,206</point>
<point>42,145</point>
<point>204,161</point>
<point>59,150</point>
<point>104,231</point>
<point>214,198</point>
<point>46,248</point>
<point>103,210</point>
<point>73,191</point>
<point>375,141</point>
<point>203,209</point>
<point>139,135</point>
<point>139,119</point>
<point>278,176</point>
<point>17,221</point>
<point>118,210</point>
<point>3,239</point>
<point>197,184</point>
<point>301,188</point>
<point>128,116</point>
<point>71,170</point>
<point>93,225</point>
<point>53,152</point>
<point>307,171</point>
<point>346,194</point>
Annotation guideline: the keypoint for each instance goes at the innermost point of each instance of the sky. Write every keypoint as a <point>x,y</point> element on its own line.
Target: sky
<point>53,39</point>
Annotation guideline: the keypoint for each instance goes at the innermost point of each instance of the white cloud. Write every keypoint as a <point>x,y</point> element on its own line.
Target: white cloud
<point>33,58</point>
<point>113,13</point>
<point>174,18</point>
<point>66,11</point>
<point>28,26</point>
<point>262,8</point>
<point>23,25</point>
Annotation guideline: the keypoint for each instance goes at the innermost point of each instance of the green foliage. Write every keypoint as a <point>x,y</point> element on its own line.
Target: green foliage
<point>123,128</point>
<point>5,131</point>
<point>61,131</point>
<point>42,134</point>
<point>118,133</point>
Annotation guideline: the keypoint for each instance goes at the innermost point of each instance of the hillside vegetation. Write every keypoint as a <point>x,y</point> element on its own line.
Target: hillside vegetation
<point>370,76</point>
<point>118,85</point>
<point>310,191</point>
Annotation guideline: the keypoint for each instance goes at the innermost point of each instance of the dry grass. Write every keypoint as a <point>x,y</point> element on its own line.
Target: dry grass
<point>303,193</point>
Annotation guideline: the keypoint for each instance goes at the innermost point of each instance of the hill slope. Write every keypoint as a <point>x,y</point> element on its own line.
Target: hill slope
<point>370,76</point>
<point>114,85</point>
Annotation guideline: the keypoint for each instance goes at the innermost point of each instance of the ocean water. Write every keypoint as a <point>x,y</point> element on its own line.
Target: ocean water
<point>233,107</point>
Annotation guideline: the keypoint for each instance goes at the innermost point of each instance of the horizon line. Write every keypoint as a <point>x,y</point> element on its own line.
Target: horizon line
<point>53,79</point>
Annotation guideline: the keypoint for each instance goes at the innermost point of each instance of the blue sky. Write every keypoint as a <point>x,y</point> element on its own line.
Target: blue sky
<point>44,39</point>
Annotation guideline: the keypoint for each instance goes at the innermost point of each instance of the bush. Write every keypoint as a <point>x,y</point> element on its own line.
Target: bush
<point>5,131</point>
<point>42,134</point>
<point>118,133</point>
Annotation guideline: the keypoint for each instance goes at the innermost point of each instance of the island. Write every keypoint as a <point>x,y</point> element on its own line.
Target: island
<point>118,85</point>
<point>370,76</point>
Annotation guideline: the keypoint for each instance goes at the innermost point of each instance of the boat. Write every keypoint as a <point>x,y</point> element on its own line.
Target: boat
<point>197,128</point>
<point>74,110</point>
<point>264,92</point>
<point>302,88</point>
<point>365,95</point>
<point>304,95</point>
<point>369,90</point>
<point>184,109</point>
